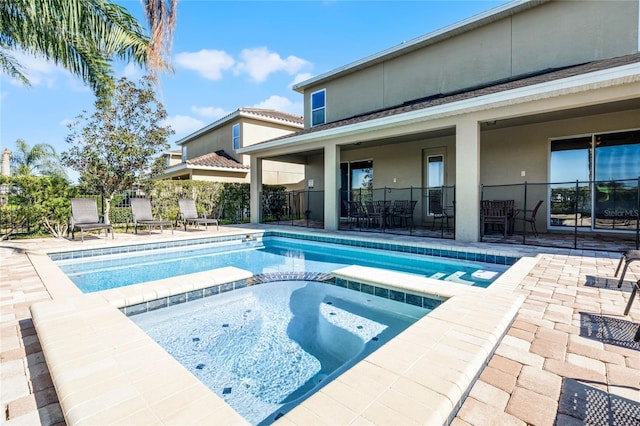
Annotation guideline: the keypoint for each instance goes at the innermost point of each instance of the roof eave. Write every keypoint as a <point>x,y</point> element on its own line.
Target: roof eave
<point>233,116</point>
<point>481,19</point>
<point>603,78</point>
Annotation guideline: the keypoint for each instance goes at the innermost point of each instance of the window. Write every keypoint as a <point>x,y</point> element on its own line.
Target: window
<point>236,136</point>
<point>184,154</point>
<point>318,107</point>
<point>594,181</point>
<point>435,182</point>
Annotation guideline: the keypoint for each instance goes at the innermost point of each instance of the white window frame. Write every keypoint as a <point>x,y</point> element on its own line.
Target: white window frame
<point>323,108</point>
<point>236,139</point>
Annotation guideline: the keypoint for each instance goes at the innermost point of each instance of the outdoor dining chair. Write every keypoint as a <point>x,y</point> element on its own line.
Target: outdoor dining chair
<point>84,216</point>
<point>141,212</point>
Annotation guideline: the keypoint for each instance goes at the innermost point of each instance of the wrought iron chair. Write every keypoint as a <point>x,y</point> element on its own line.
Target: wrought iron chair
<point>532,218</point>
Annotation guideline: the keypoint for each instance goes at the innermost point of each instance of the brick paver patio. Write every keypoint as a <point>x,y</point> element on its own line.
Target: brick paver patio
<point>568,358</point>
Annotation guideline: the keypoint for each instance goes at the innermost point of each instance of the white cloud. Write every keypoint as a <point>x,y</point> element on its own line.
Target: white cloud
<point>132,71</point>
<point>210,112</point>
<point>280,103</point>
<point>182,124</point>
<point>209,63</point>
<point>260,62</point>
<point>300,78</point>
<point>38,70</point>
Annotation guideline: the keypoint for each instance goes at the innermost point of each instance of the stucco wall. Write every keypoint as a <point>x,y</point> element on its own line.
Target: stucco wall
<point>551,35</point>
<point>279,173</point>
<point>221,138</point>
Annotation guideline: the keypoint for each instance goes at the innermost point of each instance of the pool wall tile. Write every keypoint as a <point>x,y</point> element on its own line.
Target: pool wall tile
<point>152,305</point>
<point>211,291</point>
<point>341,282</point>
<point>195,294</point>
<point>225,287</point>
<point>398,296</point>
<point>136,309</point>
<point>366,288</point>
<point>381,292</point>
<point>177,299</point>
<point>413,299</point>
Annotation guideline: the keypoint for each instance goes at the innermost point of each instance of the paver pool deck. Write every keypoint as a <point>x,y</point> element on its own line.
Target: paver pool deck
<point>567,358</point>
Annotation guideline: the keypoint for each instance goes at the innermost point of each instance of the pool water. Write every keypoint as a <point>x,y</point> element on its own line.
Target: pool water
<point>265,348</point>
<point>272,254</point>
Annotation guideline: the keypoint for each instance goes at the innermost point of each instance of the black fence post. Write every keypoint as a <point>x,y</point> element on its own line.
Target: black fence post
<point>638,217</point>
<point>480,208</point>
<point>454,212</point>
<point>412,219</point>
<point>575,214</point>
<point>524,216</point>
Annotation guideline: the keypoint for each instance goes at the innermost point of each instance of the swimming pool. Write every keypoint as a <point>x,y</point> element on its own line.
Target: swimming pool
<point>265,255</point>
<point>263,349</point>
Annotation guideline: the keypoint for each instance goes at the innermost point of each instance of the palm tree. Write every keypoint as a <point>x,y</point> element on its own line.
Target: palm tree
<point>84,36</point>
<point>41,159</point>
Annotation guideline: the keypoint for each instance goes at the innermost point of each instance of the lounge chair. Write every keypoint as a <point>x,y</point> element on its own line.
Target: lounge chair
<point>189,214</point>
<point>84,216</point>
<point>141,211</point>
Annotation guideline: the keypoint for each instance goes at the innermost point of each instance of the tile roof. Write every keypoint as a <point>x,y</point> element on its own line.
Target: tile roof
<point>468,93</point>
<point>272,113</point>
<point>217,159</point>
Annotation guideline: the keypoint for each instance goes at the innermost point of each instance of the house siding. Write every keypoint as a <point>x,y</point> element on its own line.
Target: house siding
<point>551,35</point>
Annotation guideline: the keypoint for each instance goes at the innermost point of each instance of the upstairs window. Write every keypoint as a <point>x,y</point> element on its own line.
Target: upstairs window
<point>184,153</point>
<point>236,136</point>
<point>318,107</point>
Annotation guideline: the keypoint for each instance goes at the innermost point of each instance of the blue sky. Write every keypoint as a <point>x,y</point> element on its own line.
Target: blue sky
<point>231,54</point>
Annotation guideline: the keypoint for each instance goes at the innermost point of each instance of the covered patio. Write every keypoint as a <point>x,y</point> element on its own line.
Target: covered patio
<point>503,141</point>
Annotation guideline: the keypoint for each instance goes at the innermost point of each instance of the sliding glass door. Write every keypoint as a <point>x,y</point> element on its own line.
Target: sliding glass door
<point>606,167</point>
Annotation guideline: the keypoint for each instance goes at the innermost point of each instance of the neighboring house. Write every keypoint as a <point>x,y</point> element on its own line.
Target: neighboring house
<point>537,91</point>
<point>211,153</point>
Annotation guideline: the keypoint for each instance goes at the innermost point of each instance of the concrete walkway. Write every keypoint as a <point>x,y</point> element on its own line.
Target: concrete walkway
<point>568,358</point>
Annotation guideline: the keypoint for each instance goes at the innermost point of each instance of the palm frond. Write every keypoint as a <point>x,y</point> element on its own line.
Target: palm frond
<point>83,36</point>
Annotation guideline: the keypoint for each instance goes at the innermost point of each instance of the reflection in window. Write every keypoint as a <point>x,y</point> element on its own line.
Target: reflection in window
<point>236,136</point>
<point>318,107</point>
<point>610,201</point>
<point>435,181</point>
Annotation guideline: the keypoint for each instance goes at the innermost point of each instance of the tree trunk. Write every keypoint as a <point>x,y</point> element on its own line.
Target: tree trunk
<point>107,208</point>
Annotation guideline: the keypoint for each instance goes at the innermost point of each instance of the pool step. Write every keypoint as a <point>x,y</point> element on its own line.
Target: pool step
<point>290,276</point>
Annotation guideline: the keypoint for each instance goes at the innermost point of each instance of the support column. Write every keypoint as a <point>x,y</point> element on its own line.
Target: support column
<point>468,180</point>
<point>255,189</point>
<point>331,189</point>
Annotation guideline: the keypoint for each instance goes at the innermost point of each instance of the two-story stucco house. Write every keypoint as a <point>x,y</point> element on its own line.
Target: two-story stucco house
<point>545,92</point>
<point>211,153</point>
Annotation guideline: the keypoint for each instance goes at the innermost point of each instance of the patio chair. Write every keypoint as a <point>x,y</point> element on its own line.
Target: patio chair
<point>402,211</point>
<point>84,216</point>
<point>439,213</point>
<point>356,211</point>
<point>496,212</point>
<point>626,258</point>
<point>189,214</point>
<point>141,212</point>
<point>532,218</point>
